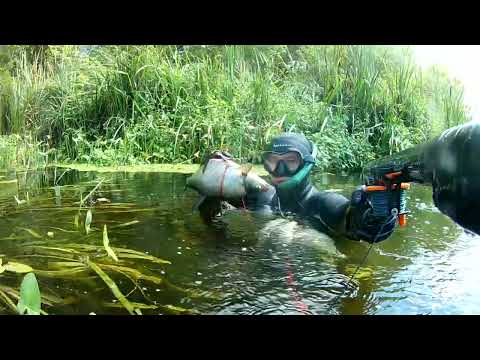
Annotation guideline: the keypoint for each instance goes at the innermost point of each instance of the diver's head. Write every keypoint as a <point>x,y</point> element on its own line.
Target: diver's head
<point>289,159</point>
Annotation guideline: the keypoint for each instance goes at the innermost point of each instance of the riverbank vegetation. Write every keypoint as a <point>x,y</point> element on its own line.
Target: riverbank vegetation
<point>130,105</point>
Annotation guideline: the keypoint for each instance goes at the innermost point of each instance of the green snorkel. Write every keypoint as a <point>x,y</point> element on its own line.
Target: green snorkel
<point>296,179</point>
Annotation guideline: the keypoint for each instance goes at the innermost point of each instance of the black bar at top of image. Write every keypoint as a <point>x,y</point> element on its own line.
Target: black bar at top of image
<point>179,29</point>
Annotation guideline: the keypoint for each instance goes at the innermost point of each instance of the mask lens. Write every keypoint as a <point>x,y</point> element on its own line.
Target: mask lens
<point>270,161</point>
<point>292,161</point>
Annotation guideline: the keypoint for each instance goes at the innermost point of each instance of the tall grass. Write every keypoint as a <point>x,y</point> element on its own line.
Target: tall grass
<point>153,104</point>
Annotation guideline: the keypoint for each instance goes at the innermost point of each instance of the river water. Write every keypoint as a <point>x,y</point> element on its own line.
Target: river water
<point>244,263</point>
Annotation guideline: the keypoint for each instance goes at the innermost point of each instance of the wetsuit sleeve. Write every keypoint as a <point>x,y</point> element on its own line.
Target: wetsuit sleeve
<point>328,212</point>
<point>334,213</point>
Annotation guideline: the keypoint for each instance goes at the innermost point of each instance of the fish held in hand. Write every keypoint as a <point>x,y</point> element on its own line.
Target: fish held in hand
<point>222,178</point>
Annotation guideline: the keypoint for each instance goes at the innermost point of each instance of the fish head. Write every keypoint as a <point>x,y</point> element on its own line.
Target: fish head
<point>254,183</point>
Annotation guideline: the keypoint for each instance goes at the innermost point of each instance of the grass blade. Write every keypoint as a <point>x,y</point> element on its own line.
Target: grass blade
<point>88,221</point>
<point>121,253</point>
<point>17,267</point>
<point>125,224</point>
<point>106,245</point>
<point>62,273</point>
<point>33,233</point>
<point>136,305</point>
<point>154,259</point>
<point>113,287</point>
<point>137,275</point>
<point>8,301</point>
<point>91,192</point>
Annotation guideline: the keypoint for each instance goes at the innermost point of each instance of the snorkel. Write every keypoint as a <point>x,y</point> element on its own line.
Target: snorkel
<point>296,179</point>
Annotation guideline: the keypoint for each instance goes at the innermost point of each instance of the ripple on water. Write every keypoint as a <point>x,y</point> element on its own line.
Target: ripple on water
<point>278,266</point>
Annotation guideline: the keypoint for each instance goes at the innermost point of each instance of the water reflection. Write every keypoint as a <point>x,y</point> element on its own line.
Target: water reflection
<point>256,264</point>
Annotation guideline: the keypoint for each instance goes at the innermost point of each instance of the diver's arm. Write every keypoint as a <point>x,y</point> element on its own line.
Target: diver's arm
<point>337,215</point>
<point>328,212</point>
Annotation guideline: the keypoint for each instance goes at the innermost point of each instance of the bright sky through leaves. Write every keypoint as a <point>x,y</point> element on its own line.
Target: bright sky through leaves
<point>462,62</point>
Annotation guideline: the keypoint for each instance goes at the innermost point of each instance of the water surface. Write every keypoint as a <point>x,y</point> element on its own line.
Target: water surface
<point>245,263</point>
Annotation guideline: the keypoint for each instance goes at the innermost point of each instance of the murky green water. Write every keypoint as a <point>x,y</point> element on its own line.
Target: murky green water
<point>243,264</point>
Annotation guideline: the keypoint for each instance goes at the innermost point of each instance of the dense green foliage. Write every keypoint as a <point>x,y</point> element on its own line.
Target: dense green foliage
<point>167,104</point>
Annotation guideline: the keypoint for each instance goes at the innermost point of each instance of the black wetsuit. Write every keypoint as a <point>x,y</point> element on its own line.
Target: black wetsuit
<point>328,212</point>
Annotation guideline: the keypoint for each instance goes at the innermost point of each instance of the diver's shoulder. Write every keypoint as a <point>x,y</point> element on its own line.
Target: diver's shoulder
<point>326,196</point>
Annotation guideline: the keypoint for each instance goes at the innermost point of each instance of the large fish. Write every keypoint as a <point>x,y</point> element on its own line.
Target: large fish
<point>220,178</point>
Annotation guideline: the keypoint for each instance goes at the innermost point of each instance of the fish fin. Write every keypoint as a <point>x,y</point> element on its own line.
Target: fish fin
<point>204,162</point>
<point>246,168</point>
<point>201,199</point>
<point>226,154</point>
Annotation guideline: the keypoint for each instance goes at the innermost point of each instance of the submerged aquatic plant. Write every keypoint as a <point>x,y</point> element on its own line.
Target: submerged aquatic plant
<point>67,253</point>
<point>80,261</point>
<point>88,221</point>
<point>106,245</point>
<point>30,298</point>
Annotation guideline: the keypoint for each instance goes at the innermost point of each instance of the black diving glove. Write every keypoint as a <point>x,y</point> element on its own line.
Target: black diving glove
<point>363,224</point>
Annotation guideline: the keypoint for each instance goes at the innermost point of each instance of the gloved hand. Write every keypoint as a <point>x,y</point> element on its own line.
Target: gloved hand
<point>364,225</point>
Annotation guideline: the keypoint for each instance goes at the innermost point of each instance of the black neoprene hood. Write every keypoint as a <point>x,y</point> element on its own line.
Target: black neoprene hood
<point>291,142</point>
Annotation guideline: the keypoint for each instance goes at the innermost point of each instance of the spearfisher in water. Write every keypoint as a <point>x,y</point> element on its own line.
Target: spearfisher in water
<point>289,160</point>
<point>449,163</point>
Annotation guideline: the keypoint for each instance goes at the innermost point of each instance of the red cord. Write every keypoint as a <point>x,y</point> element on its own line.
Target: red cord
<point>296,296</point>
<point>290,279</point>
